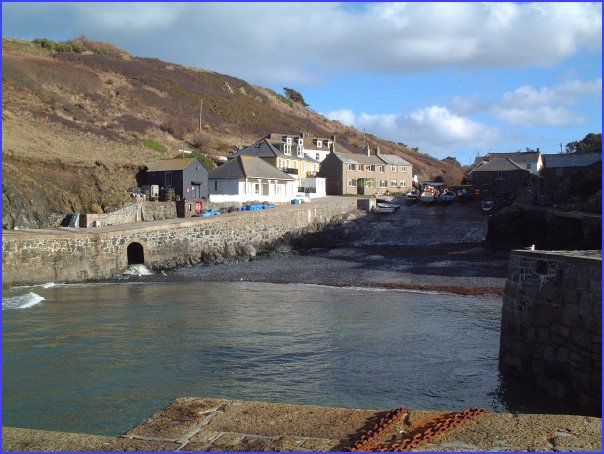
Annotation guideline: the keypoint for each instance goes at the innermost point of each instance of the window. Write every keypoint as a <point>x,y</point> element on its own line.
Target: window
<point>352,183</point>
<point>319,143</point>
<point>351,167</point>
<point>287,149</point>
<point>404,169</point>
<point>288,140</point>
<point>403,184</point>
<point>485,187</point>
<point>369,168</point>
<point>304,166</point>
<point>287,164</point>
<point>215,185</point>
<point>393,183</point>
<point>393,168</point>
<point>300,141</point>
<point>383,184</point>
<point>168,179</point>
<point>278,189</point>
<point>382,169</point>
<point>295,164</point>
<point>300,151</point>
<point>498,175</point>
<point>256,188</point>
<point>318,156</point>
<point>528,166</point>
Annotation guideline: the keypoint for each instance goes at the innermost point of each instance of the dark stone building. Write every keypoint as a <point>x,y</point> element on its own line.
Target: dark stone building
<point>187,176</point>
<point>557,167</point>
<point>499,177</point>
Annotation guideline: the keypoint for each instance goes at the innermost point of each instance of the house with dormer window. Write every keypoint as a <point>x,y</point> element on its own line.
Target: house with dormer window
<point>285,152</point>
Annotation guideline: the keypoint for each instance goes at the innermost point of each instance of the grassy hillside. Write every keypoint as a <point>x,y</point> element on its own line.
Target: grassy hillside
<point>79,125</point>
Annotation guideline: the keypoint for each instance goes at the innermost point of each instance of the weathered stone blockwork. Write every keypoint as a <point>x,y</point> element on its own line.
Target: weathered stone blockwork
<point>133,212</point>
<point>551,326</point>
<point>78,255</point>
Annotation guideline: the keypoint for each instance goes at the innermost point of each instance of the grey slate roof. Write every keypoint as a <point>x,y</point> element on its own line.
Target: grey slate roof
<point>359,158</point>
<point>497,165</point>
<point>268,148</point>
<point>394,159</point>
<point>248,167</point>
<point>571,159</point>
<point>170,164</point>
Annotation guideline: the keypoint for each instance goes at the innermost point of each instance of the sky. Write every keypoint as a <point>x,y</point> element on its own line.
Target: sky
<point>453,79</point>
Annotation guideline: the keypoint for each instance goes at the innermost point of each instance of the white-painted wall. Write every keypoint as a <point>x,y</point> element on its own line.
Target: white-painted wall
<point>318,184</point>
<point>252,189</point>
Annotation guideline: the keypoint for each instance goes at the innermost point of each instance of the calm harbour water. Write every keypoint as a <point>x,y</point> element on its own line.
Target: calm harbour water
<point>100,358</point>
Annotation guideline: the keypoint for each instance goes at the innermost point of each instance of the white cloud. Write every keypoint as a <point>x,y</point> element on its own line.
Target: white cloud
<point>433,129</point>
<point>257,40</point>
<point>529,106</point>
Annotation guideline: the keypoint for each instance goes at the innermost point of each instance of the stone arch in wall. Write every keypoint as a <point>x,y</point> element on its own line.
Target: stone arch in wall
<point>136,254</point>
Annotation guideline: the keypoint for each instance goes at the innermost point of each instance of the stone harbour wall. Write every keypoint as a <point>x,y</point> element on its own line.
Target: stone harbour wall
<point>73,255</point>
<point>551,326</point>
<point>132,212</point>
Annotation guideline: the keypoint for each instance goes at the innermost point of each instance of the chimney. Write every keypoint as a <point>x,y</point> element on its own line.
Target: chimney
<point>537,149</point>
<point>367,150</point>
<point>377,150</point>
<point>333,144</point>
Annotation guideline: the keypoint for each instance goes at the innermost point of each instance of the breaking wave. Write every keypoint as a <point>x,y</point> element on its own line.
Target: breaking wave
<point>22,301</point>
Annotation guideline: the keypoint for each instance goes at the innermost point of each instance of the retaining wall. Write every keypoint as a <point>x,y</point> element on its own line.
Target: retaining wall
<point>71,255</point>
<point>551,326</point>
<point>132,212</point>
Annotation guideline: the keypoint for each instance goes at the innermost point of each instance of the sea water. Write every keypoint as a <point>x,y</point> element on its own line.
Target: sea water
<point>100,358</point>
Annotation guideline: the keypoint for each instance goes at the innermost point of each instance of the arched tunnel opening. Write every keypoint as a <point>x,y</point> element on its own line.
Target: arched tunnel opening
<point>136,254</point>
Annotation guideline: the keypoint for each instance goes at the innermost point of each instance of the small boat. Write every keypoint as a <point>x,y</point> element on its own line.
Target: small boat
<point>448,196</point>
<point>384,209</point>
<point>387,206</point>
<point>412,196</point>
<point>429,195</point>
<point>488,205</point>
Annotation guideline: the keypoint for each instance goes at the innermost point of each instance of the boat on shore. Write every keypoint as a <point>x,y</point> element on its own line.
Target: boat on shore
<point>386,207</point>
<point>488,205</point>
<point>412,196</point>
<point>429,194</point>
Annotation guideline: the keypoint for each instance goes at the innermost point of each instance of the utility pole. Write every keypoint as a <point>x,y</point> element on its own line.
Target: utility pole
<point>560,147</point>
<point>200,112</point>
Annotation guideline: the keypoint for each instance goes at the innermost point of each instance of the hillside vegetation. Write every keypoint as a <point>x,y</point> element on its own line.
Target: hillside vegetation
<point>81,120</point>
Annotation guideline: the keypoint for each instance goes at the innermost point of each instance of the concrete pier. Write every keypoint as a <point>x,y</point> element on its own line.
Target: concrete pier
<point>210,425</point>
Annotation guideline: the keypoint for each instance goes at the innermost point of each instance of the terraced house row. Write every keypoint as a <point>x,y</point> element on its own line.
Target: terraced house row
<point>365,173</point>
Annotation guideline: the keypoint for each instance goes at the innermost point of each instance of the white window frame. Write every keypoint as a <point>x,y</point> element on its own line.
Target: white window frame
<point>287,149</point>
<point>382,169</point>
<point>403,184</point>
<point>319,143</point>
<point>351,184</point>
<point>351,167</point>
<point>404,169</point>
<point>393,168</point>
<point>383,184</point>
<point>393,183</point>
<point>300,151</point>
<point>288,140</point>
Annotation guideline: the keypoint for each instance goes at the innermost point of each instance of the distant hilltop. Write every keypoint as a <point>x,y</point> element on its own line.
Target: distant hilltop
<point>81,118</point>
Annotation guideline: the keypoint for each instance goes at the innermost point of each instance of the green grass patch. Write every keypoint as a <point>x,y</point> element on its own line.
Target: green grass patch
<point>154,145</point>
<point>285,100</point>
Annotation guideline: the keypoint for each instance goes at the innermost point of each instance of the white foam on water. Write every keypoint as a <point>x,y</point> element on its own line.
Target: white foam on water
<point>49,285</point>
<point>138,270</point>
<point>22,301</point>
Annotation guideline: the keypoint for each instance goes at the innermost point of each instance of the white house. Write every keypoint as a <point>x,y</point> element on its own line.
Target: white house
<point>248,178</point>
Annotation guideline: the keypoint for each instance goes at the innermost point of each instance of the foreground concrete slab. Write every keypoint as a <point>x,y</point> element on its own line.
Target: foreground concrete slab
<point>214,425</point>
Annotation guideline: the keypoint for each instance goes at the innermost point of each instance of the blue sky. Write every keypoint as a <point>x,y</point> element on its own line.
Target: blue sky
<point>454,79</point>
